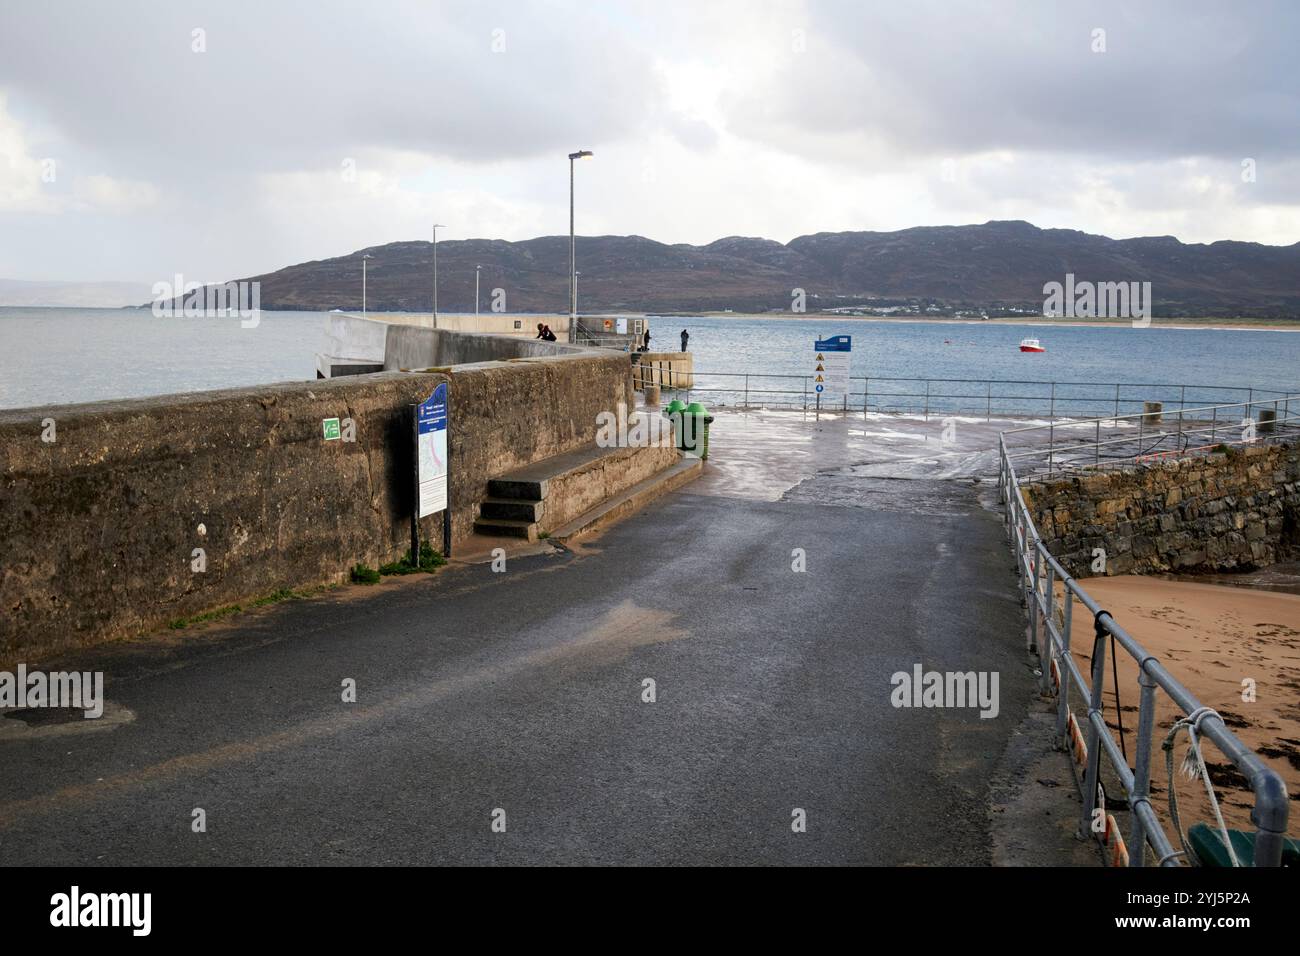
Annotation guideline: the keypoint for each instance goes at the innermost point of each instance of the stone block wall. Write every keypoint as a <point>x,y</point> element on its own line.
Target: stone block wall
<point>1230,511</point>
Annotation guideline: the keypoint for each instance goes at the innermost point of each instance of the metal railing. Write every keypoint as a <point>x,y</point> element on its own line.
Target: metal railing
<point>1098,443</point>
<point>1040,573</point>
<point>957,396</point>
<point>599,338</point>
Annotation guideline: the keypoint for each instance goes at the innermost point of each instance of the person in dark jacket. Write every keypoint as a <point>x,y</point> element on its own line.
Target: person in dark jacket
<point>686,337</point>
<point>645,347</point>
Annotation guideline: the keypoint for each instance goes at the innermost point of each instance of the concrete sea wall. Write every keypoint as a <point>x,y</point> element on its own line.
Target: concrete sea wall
<point>1222,512</point>
<point>102,505</point>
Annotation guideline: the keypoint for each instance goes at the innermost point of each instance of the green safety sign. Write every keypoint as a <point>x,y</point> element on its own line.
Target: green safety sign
<point>332,432</point>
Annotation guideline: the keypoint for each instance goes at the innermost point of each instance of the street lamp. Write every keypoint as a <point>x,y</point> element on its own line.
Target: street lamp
<point>477,269</point>
<point>435,273</point>
<point>363,283</point>
<point>573,264</point>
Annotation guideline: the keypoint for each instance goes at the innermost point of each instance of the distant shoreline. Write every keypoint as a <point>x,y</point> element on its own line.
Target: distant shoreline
<point>1183,323</point>
<point>1225,325</point>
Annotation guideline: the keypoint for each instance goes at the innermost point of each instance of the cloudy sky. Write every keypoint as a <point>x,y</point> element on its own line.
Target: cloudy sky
<point>223,139</point>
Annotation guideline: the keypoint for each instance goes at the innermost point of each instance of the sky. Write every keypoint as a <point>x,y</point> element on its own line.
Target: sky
<point>226,139</point>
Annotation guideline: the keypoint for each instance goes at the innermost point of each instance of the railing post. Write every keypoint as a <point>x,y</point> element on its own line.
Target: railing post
<point>1142,770</point>
<point>1214,422</point>
<point>1032,600</point>
<point>1094,737</point>
<point>1117,402</point>
<point>988,401</point>
<point>927,399</point>
<point>1096,445</point>
<point>866,390</point>
<point>746,390</point>
<point>1049,619</point>
<point>1063,698</point>
<point>1052,408</point>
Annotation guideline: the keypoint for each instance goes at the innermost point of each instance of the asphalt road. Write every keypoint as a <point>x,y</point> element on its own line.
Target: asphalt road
<point>522,691</point>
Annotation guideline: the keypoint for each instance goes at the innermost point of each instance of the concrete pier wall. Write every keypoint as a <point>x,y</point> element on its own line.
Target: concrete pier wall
<point>410,347</point>
<point>100,525</point>
<point>665,369</point>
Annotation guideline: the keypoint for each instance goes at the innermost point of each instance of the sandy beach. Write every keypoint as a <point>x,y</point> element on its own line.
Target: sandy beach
<point>1212,637</point>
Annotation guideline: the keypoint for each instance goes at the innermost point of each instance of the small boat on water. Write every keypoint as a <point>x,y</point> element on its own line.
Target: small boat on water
<point>1031,345</point>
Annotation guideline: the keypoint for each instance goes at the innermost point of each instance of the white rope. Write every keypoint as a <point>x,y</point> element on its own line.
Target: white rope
<point>1193,766</point>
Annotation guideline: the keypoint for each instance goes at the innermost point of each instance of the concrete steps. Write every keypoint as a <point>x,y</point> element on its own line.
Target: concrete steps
<point>632,500</point>
<point>550,494</point>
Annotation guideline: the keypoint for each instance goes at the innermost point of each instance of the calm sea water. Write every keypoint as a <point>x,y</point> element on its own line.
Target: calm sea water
<point>1138,359</point>
<point>55,356</point>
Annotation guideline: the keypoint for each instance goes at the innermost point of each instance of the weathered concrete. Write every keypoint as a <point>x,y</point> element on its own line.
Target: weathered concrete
<point>100,526</point>
<point>409,347</point>
<point>551,493</point>
<point>668,370</point>
<point>1219,512</point>
<point>393,342</point>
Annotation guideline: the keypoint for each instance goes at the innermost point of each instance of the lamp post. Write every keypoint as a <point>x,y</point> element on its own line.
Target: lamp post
<point>573,264</point>
<point>435,273</point>
<point>477,270</point>
<point>363,283</point>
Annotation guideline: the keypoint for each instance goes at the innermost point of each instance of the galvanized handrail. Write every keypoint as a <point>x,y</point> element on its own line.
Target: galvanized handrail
<point>1039,572</point>
<point>937,395</point>
<point>1211,424</point>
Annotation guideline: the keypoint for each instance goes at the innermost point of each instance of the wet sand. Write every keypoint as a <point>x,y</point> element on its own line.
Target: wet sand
<point>1211,637</point>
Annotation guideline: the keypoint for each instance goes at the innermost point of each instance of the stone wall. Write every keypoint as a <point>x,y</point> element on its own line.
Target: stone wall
<point>98,527</point>
<point>1221,512</point>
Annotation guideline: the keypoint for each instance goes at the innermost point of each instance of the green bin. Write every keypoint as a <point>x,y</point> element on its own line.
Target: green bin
<point>694,436</point>
<point>674,412</point>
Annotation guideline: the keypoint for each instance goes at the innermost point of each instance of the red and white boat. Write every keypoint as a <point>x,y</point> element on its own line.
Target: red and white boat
<point>1031,345</point>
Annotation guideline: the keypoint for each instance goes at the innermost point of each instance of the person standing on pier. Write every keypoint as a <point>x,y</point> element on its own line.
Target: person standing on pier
<point>686,337</point>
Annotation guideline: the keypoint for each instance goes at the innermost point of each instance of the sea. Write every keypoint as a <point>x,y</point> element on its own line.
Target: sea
<point>54,356</point>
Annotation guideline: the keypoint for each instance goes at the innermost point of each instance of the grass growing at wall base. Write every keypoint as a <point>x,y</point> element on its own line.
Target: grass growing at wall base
<point>430,560</point>
<point>275,597</point>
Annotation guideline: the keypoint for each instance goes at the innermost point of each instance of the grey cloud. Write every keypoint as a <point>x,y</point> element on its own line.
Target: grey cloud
<point>1177,79</point>
<point>283,86</point>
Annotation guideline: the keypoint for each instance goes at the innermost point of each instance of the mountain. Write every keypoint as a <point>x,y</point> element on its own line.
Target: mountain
<point>995,267</point>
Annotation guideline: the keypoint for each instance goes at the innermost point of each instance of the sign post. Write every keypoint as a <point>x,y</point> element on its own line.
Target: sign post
<point>431,420</point>
<point>831,368</point>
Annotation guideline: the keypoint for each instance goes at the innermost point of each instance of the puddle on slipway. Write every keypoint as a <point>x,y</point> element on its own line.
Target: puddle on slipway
<point>894,462</point>
<point>37,723</point>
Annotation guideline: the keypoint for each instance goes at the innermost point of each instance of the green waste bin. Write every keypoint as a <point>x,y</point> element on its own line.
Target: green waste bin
<point>674,412</point>
<point>695,430</point>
